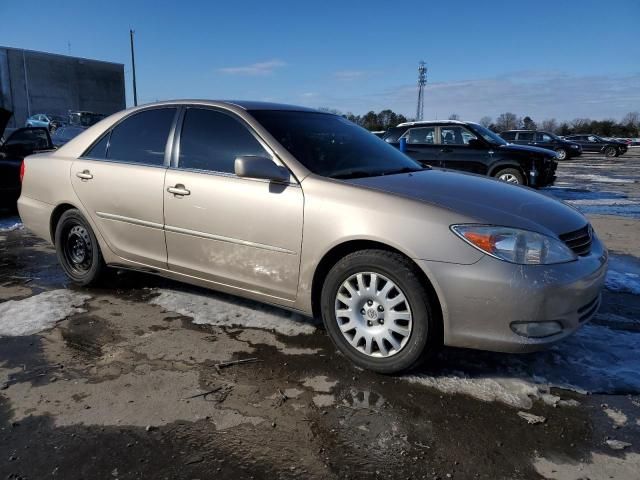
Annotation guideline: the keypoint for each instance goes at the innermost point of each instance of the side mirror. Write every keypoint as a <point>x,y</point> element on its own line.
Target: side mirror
<point>475,143</point>
<point>260,167</point>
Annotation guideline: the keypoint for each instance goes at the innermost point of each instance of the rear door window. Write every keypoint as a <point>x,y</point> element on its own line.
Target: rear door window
<point>455,136</point>
<point>509,136</point>
<point>421,136</point>
<point>211,140</point>
<point>142,137</point>
<point>525,136</point>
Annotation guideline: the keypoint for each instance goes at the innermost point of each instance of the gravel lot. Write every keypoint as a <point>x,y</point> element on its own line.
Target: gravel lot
<point>130,381</point>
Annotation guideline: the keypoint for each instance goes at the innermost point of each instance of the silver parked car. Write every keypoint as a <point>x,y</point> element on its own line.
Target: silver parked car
<point>305,210</point>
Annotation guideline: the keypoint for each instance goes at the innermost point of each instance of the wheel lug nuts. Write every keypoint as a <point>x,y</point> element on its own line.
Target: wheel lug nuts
<point>362,311</point>
<point>369,323</point>
<point>369,302</point>
<point>381,321</point>
<point>380,308</point>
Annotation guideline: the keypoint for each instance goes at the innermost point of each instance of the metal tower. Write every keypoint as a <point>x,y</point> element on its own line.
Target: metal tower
<point>422,80</point>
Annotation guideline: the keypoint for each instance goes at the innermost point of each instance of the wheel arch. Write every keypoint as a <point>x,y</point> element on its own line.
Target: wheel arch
<point>55,218</point>
<point>343,249</point>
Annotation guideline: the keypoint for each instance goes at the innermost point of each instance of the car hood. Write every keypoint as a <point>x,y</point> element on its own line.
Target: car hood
<point>512,147</point>
<point>5,116</point>
<point>485,200</point>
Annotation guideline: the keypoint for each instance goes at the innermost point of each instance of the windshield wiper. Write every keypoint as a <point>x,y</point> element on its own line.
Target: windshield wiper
<point>353,174</point>
<point>405,170</point>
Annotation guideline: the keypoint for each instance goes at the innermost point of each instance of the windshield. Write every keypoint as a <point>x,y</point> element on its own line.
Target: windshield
<point>332,146</point>
<point>487,134</point>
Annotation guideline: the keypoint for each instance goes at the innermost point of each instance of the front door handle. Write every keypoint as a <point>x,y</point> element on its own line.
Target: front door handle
<point>179,189</point>
<point>446,150</point>
<point>84,175</point>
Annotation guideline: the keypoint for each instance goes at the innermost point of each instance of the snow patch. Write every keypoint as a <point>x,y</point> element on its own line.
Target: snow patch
<point>40,312</point>
<point>597,359</point>
<point>10,224</point>
<point>598,467</point>
<point>602,178</point>
<point>623,275</point>
<point>625,282</point>
<point>208,310</point>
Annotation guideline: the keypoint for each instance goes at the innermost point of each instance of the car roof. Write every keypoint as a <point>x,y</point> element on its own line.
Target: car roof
<point>244,104</point>
<point>433,122</point>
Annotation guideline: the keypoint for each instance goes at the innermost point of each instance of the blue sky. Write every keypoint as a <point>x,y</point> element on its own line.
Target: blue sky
<point>561,59</point>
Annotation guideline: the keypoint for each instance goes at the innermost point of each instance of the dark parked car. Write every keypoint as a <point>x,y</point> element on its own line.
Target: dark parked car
<point>17,145</point>
<point>65,133</point>
<point>564,148</point>
<point>594,143</point>
<point>470,147</point>
<point>80,118</point>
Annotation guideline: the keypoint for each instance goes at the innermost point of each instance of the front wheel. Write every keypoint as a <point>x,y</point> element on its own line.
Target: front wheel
<point>611,152</point>
<point>510,175</point>
<point>561,154</point>
<point>377,312</point>
<point>78,250</point>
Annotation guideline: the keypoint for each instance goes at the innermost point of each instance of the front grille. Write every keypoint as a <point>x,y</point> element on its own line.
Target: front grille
<point>579,241</point>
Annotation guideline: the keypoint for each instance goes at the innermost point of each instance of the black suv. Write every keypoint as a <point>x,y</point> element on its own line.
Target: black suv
<point>470,147</point>
<point>564,148</point>
<point>594,143</point>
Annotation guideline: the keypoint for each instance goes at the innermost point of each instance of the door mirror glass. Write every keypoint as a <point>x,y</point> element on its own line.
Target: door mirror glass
<point>260,167</point>
<point>475,143</point>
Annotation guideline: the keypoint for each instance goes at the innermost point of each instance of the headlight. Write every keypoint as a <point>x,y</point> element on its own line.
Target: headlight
<point>574,146</point>
<point>514,245</point>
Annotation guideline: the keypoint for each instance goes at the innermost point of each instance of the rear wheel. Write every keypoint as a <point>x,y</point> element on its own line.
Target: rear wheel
<point>510,175</point>
<point>611,152</point>
<point>561,154</point>
<point>377,312</point>
<point>78,250</point>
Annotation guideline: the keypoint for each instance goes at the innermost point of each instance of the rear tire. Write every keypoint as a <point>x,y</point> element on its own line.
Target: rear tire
<point>510,175</point>
<point>78,250</point>
<point>561,154</point>
<point>611,152</point>
<point>393,334</point>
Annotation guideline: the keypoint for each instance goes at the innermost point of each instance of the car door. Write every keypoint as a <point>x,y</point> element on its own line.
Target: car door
<point>524,138</point>
<point>544,140</point>
<point>120,182</point>
<point>460,149</point>
<point>243,233</point>
<point>421,145</point>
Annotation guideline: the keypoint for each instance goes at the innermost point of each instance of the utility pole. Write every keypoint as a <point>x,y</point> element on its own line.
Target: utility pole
<point>133,70</point>
<point>422,80</point>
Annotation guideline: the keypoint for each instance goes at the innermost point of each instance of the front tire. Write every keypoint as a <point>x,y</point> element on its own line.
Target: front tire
<point>377,311</point>
<point>78,250</point>
<point>510,175</point>
<point>561,154</point>
<point>611,152</point>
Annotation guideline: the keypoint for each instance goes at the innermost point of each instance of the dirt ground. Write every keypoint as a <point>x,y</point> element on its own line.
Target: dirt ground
<point>130,380</point>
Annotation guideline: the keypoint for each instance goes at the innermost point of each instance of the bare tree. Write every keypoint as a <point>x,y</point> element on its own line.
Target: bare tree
<point>486,121</point>
<point>631,119</point>
<point>550,125</point>
<point>528,123</point>
<point>580,125</point>
<point>507,121</point>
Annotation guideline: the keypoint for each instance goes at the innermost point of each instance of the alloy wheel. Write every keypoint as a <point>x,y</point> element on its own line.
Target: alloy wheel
<point>509,178</point>
<point>373,314</point>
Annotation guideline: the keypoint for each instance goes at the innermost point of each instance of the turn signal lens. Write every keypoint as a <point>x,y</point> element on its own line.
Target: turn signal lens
<point>514,245</point>
<point>22,170</point>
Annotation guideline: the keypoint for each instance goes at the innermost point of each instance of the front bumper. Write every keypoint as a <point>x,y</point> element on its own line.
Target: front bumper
<point>481,301</point>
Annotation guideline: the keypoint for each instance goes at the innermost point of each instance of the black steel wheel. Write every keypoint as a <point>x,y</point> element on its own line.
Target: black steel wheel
<point>78,250</point>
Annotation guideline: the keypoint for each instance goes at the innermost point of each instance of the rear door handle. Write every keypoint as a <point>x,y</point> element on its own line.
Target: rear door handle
<point>446,150</point>
<point>84,175</point>
<point>179,189</point>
